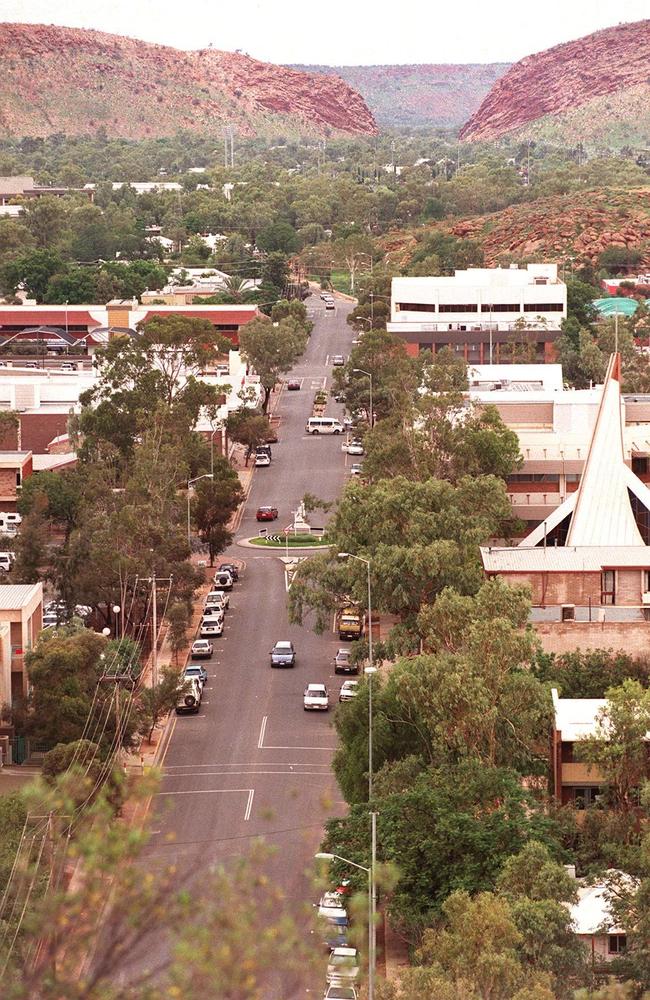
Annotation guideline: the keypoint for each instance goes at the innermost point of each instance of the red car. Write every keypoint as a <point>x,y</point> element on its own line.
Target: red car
<point>266,513</point>
<point>293,384</point>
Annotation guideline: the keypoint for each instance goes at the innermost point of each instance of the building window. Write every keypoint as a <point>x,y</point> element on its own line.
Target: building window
<point>467,307</point>
<point>425,347</point>
<point>501,307</point>
<point>415,307</point>
<point>533,477</point>
<point>585,798</point>
<point>608,586</point>
<point>543,307</point>
<point>617,944</point>
<point>573,477</point>
<point>639,465</point>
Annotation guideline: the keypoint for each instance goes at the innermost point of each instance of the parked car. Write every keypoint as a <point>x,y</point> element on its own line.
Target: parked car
<point>356,469</point>
<point>218,599</point>
<point>68,366</point>
<point>201,648</point>
<point>272,436</point>
<point>283,654</point>
<point>262,460</point>
<point>214,612</point>
<point>343,967</point>
<point>325,296</point>
<point>349,690</point>
<point>12,517</point>
<point>338,360</point>
<point>223,579</point>
<point>196,671</point>
<point>353,447</point>
<point>211,627</point>
<point>339,992</point>
<point>228,568</point>
<point>264,449</point>
<point>331,905</point>
<point>336,932</point>
<point>343,662</point>
<point>316,698</point>
<point>189,697</point>
<point>6,561</point>
<point>266,513</point>
<point>293,384</point>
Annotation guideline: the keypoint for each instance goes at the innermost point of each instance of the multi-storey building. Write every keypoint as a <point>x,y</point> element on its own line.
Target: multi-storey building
<point>485,315</point>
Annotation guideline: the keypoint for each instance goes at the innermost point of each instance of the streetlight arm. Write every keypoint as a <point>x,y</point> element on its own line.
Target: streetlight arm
<point>337,857</point>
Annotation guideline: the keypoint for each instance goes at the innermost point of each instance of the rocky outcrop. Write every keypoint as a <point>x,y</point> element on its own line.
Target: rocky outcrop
<point>564,78</point>
<point>72,81</point>
<point>573,229</point>
<point>419,95</point>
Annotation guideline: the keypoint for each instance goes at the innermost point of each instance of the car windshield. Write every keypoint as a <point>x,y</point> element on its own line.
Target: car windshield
<point>343,654</point>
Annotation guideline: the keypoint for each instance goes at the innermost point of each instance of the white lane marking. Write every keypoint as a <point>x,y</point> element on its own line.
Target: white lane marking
<point>207,791</point>
<point>260,742</point>
<point>249,804</point>
<point>329,749</point>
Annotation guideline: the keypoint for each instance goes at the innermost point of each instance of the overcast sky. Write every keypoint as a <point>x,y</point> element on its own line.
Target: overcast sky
<point>342,32</point>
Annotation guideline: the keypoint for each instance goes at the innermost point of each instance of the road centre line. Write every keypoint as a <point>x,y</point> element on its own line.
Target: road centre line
<point>260,742</point>
<point>289,769</point>
<point>275,763</point>
<point>249,804</point>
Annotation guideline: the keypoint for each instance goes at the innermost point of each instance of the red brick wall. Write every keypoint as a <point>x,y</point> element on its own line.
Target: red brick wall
<point>8,483</point>
<point>565,637</point>
<point>552,589</point>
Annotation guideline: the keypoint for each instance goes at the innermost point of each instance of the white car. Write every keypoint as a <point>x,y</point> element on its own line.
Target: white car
<point>355,469</point>
<point>201,648</point>
<point>262,460</point>
<point>336,992</point>
<point>210,627</point>
<point>343,966</point>
<point>218,599</point>
<point>353,448</point>
<point>330,905</point>
<point>316,698</point>
<point>349,690</point>
<point>6,561</point>
<point>338,360</point>
<point>11,517</point>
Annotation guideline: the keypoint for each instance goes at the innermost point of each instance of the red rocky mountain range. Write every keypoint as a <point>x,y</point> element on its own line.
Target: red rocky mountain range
<point>73,81</point>
<point>564,78</point>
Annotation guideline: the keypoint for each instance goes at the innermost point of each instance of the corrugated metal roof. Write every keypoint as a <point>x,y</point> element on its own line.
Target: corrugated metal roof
<point>16,595</point>
<point>576,718</point>
<point>563,559</point>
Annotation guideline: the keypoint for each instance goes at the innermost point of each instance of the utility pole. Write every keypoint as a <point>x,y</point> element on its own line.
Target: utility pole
<point>154,580</point>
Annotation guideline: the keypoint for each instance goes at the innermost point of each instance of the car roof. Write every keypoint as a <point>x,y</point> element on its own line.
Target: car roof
<point>345,952</point>
<point>316,687</point>
<point>283,644</point>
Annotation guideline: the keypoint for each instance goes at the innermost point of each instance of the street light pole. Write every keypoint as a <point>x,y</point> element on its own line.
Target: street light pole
<point>190,483</point>
<point>362,371</point>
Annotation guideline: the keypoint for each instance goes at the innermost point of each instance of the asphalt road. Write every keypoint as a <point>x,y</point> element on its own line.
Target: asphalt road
<point>253,763</point>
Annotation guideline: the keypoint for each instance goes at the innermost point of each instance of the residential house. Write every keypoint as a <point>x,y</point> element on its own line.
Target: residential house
<point>593,923</point>
<point>21,620</point>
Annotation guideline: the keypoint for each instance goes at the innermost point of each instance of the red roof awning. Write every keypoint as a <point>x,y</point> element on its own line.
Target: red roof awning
<point>47,316</point>
<point>214,315</point>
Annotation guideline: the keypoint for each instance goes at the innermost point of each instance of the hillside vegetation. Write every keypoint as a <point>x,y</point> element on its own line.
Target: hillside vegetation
<point>64,80</point>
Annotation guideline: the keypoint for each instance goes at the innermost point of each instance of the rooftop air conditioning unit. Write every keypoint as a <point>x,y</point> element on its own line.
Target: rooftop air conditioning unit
<point>645,598</point>
<point>568,613</point>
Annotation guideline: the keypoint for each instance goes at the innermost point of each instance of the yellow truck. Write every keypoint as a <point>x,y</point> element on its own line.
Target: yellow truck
<point>350,622</point>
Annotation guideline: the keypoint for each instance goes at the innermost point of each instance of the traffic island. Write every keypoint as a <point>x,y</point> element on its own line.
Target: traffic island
<point>279,542</point>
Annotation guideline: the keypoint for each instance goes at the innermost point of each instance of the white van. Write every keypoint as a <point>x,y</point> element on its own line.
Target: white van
<point>324,425</point>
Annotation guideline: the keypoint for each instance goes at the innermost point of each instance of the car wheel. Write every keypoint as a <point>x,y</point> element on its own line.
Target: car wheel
<point>337,432</point>
<point>315,431</point>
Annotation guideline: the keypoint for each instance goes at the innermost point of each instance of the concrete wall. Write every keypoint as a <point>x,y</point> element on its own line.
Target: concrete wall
<point>565,637</point>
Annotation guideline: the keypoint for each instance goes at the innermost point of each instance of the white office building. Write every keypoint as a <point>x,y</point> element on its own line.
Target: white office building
<point>480,311</point>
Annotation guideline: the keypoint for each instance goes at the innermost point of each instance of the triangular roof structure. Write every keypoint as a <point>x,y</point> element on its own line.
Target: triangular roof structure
<point>600,512</point>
